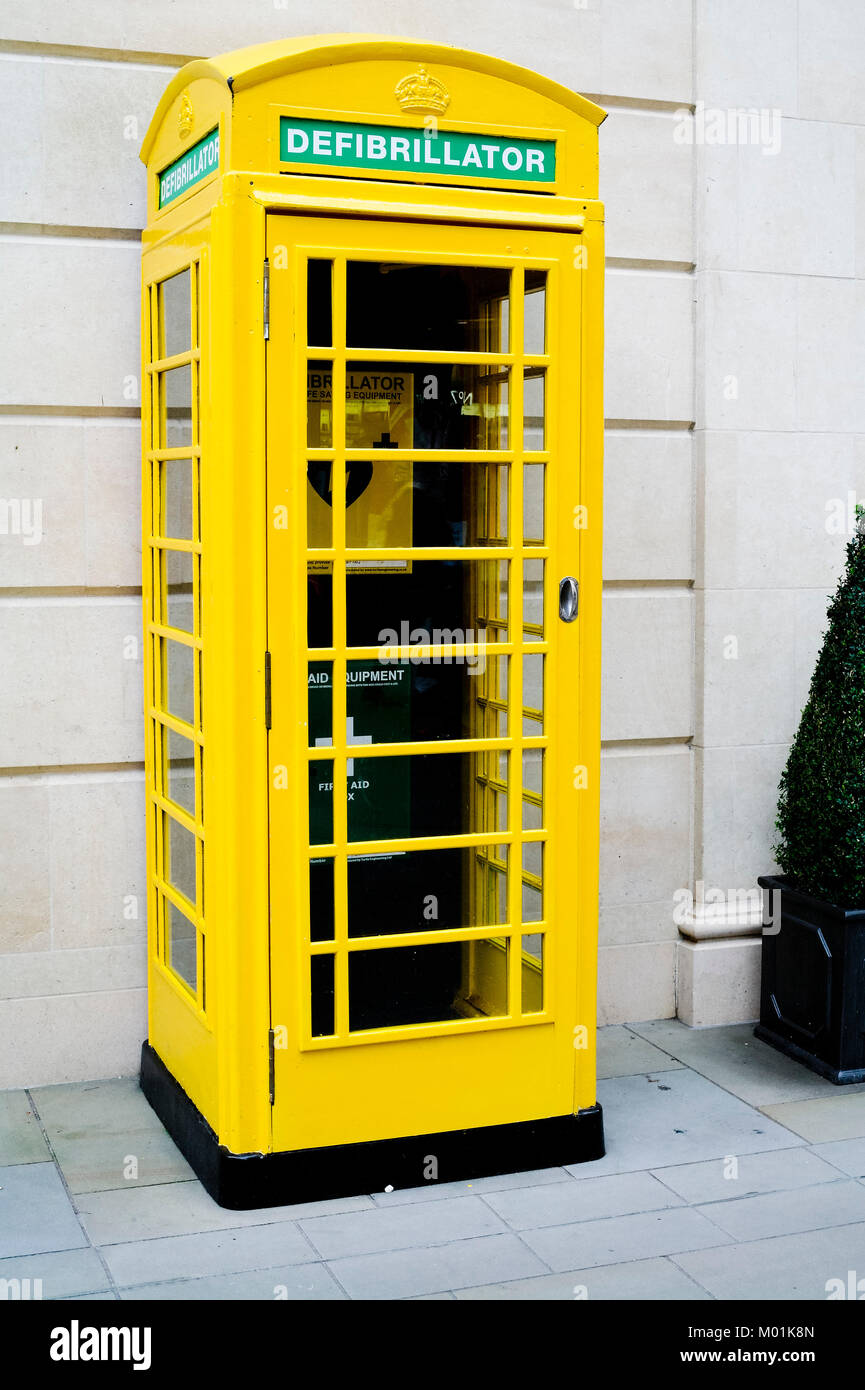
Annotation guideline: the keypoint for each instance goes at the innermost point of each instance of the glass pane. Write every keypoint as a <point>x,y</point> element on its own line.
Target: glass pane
<point>533,502</point>
<point>176,407</point>
<point>427,890</point>
<point>533,694</point>
<point>418,699</point>
<point>175,483</point>
<point>393,405</point>
<point>533,776</point>
<point>178,848</point>
<point>176,331</point>
<point>180,944</point>
<point>534,328</point>
<point>180,780</point>
<point>436,603</point>
<point>321,900</point>
<point>462,308</point>
<point>412,796</point>
<point>399,503</point>
<point>533,411</point>
<point>319,606</point>
<point>533,861</point>
<point>319,299</point>
<point>427,984</point>
<point>533,599</point>
<point>322,995</point>
<point>178,610</point>
<point>178,666</point>
<point>533,974</point>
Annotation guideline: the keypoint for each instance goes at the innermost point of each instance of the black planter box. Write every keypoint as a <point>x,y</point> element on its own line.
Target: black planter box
<point>812,987</point>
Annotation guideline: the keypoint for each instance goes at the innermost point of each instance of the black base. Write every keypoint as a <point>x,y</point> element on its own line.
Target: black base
<point>242,1181</point>
<point>847,1077</point>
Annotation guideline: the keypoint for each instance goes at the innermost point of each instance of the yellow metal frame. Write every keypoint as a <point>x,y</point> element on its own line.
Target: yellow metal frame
<point>412,1079</point>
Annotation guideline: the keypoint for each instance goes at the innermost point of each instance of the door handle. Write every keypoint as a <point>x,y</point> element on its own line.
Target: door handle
<point>569,598</point>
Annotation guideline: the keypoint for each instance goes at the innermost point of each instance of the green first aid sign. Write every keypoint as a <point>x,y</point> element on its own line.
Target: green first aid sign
<point>340,145</point>
<point>199,161</point>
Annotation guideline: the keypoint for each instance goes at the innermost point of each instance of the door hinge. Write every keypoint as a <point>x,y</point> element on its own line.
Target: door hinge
<point>271,1062</point>
<point>266,292</point>
<point>267,690</point>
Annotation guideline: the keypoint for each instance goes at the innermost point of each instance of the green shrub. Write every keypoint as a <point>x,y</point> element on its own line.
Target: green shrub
<point>821,810</point>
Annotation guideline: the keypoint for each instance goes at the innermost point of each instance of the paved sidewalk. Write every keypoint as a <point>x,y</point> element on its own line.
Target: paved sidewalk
<point>731,1172</point>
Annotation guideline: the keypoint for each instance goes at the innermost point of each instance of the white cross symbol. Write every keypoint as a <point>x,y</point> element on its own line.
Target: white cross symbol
<point>351,738</point>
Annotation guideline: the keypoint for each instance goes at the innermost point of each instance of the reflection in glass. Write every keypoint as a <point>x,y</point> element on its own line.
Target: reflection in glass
<point>178,850</point>
<point>175,315</point>
<point>175,389</point>
<point>533,974</point>
<point>533,860</point>
<point>535,308</point>
<point>180,944</point>
<point>175,483</point>
<point>178,607</point>
<point>181,771</point>
<point>178,667</point>
<point>533,410</point>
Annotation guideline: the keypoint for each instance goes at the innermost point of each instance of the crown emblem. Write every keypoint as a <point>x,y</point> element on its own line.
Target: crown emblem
<point>421,92</point>
<point>187,116</point>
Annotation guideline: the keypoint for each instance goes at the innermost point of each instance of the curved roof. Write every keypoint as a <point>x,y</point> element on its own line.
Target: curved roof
<point>248,66</point>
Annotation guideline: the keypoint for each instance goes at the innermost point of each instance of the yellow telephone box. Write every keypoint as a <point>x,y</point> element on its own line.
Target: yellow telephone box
<point>372,325</point>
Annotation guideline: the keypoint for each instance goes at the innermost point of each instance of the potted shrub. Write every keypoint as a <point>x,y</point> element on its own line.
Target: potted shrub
<point>812,994</point>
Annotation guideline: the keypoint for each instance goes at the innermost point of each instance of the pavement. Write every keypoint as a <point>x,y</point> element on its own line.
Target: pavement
<point>731,1172</point>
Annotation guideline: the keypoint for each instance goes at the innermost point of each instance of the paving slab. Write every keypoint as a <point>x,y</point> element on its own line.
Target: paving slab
<point>675,1117</point>
<point>790,1267</point>
<point>211,1253</point>
<point>395,1228</point>
<point>105,1135</point>
<point>620,1238</point>
<point>436,1269</point>
<point>786,1213</point>
<point>36,1214</point>
<point>848,1155</point>
<point>653,1280</point>
<point>821,1121</point>
<point>477,1187</point>
<point>21,1138</point>
<point>621,1052</point>
<point>733,1058</point>
<point>617,1195</point>
<point>182,1208</point>
<point>728,1178</point>
<point>63,1273</point>
<point>292,1283</point>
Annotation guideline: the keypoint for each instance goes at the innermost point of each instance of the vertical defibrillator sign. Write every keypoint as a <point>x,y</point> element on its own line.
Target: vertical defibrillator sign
<point>379,410</point>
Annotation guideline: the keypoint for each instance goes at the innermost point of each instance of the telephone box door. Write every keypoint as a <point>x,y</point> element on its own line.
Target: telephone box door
<point>430,893</point>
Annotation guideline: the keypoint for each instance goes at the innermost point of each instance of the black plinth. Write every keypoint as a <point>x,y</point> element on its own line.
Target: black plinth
<point>242,1181</point>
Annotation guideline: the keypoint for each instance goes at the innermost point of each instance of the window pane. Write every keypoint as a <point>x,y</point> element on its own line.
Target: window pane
<point>178,666</point>
<point>180,944</point>
<point>465,308</point>
<point>534,335</point>
<point>533,411</point>
<point>178,850</point>
<point>319,299</point>
<point>178,610</point>
<point>427,890</point>
<point>533,974</point>
<point>427,984</point>
<point>176,331</point>
<point>176,407</point>
<point>175,487</point>
<point>180,786</point>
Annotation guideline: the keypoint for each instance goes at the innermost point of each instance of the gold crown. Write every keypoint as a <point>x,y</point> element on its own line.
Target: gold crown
<point>187,116</point>
<point>421,92</point>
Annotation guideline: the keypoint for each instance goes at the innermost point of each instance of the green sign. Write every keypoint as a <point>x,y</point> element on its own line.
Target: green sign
<point>199,161</point>
<point>340,145</point>
<point>378,700</point>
